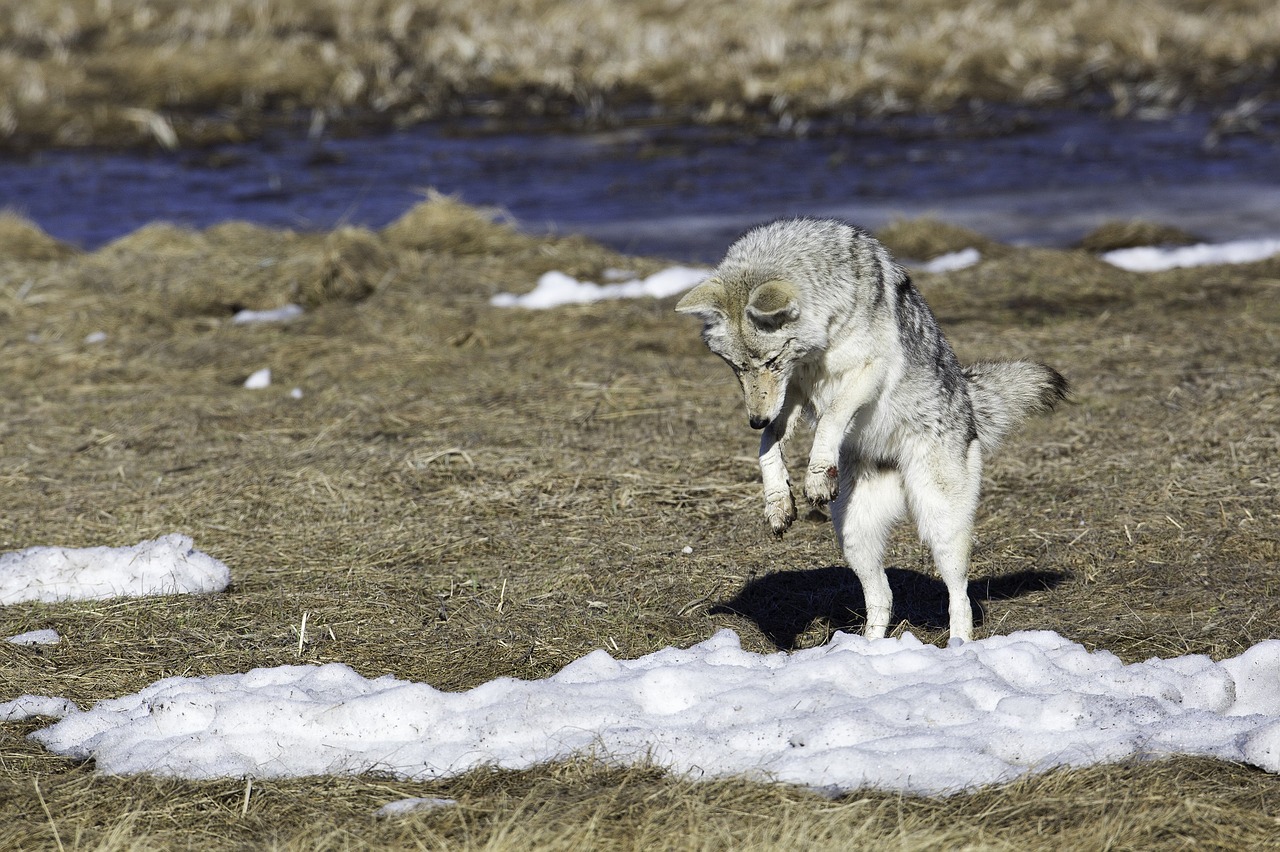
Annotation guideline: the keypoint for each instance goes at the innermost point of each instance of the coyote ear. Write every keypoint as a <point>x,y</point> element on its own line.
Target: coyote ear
<point>774,304</point>
<point>705,301</point>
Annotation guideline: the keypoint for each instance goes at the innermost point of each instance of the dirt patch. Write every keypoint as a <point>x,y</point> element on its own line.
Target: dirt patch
<point>460,492</point>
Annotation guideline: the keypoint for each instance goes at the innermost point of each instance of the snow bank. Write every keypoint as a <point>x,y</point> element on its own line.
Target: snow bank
<point>1151,259</point>
<point>891,713</point>
<point>556,288</point>
<point>168,565</point>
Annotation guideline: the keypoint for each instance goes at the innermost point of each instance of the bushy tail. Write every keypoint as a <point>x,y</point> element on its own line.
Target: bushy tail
<point>1003,393</point>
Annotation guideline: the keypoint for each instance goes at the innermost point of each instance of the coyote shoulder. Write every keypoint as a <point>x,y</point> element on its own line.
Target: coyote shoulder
<point>817,321</point>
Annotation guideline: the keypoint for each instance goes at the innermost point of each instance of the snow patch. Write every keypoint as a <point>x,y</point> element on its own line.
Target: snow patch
<point>556,288</point>
<point>168,565</point>
<point>406,806</point>
<point>29,706</point>
<point>36,637</point>
<point>1153,259</point>
<point>893,714</point>
<point>259,379</point>
<point>952,261</point>
<point>284,313</point>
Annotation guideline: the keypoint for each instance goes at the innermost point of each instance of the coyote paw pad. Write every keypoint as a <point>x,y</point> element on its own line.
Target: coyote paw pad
<point>780,510</point>
<point>822,484</point>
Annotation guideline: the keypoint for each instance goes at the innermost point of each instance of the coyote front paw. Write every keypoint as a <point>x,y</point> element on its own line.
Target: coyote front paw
<point>821,484</point>
<point>780,509</point>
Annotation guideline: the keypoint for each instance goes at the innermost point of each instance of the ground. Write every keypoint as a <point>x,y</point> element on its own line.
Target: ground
<point>464,492</point>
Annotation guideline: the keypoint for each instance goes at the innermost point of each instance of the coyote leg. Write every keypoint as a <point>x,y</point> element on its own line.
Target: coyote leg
<point>869,502</point>
<point>779,505</point>
<point>943,493</point>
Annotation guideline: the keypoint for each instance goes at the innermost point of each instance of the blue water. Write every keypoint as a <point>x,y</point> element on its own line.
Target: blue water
<point>682,192</point>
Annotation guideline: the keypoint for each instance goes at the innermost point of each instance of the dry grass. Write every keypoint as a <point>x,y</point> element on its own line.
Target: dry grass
<point>169,73</point>
<point>1181,804</point>
<point>1134,233</point>
<point>22,239</point>
<point>926,238</point>
<point>464,492</point>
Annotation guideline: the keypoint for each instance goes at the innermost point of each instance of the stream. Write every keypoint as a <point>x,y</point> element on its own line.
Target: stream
<point>682,192</point>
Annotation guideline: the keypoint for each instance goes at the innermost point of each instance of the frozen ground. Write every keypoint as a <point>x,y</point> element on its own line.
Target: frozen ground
<point>891,713</point>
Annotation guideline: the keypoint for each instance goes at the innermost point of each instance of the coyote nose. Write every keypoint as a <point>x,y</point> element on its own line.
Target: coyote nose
<point>758,422</point>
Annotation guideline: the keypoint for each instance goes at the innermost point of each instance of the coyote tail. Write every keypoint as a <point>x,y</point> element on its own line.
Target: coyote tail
<point>1004,393</point>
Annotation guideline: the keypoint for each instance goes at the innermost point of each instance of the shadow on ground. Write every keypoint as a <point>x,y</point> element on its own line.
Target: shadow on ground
<point>785,604</point>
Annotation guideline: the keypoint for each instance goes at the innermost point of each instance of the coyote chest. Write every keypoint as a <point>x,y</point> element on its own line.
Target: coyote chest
<point>874,431</point>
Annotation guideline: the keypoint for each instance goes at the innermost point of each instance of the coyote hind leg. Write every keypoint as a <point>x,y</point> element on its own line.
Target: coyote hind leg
<point>943,493</point>
<point>869,502</point>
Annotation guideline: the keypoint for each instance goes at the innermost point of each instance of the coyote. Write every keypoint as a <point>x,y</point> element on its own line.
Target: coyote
<point>817,321</point>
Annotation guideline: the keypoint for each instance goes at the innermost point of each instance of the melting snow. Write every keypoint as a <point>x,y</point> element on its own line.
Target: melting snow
<point>951,261</point>
<point>259,379</point>
<point>26,706</point>
<point>404,806</point>
<point>891,713</point>
<point>1151,259</point>
<point>284,313</point>
<point>36,637</point>
<point>165,566</point>
<point>556,288</point>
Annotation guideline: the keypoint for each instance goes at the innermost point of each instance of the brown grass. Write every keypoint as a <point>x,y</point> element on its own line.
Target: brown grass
<point>464,492</point>
<point>171,73</point>
<point>926,238</point>
<point>1134,233</point>
<point>22,239</point>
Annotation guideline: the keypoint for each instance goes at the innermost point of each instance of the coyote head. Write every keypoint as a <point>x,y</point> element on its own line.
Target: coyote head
<point>752,329</point>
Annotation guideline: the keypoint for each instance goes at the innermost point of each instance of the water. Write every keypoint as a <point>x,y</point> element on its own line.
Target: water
<point>680,192</point>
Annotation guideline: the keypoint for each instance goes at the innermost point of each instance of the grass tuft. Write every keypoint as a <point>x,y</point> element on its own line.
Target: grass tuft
<point>926,238</point>
<point>1134,233</point>
<point>22,239</point>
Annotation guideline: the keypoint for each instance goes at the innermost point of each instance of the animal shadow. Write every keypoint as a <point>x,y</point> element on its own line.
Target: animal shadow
<point>785,604</point>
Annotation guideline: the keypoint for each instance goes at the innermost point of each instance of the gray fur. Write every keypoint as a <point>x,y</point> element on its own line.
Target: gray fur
<point>817,321</point>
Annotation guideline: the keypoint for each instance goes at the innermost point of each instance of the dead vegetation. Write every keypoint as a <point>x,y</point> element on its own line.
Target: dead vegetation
<point>168,73</point>
<point>926,238</point>
<point>21,239</point>
<point>1132,234</point>
<point>464,492</point>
